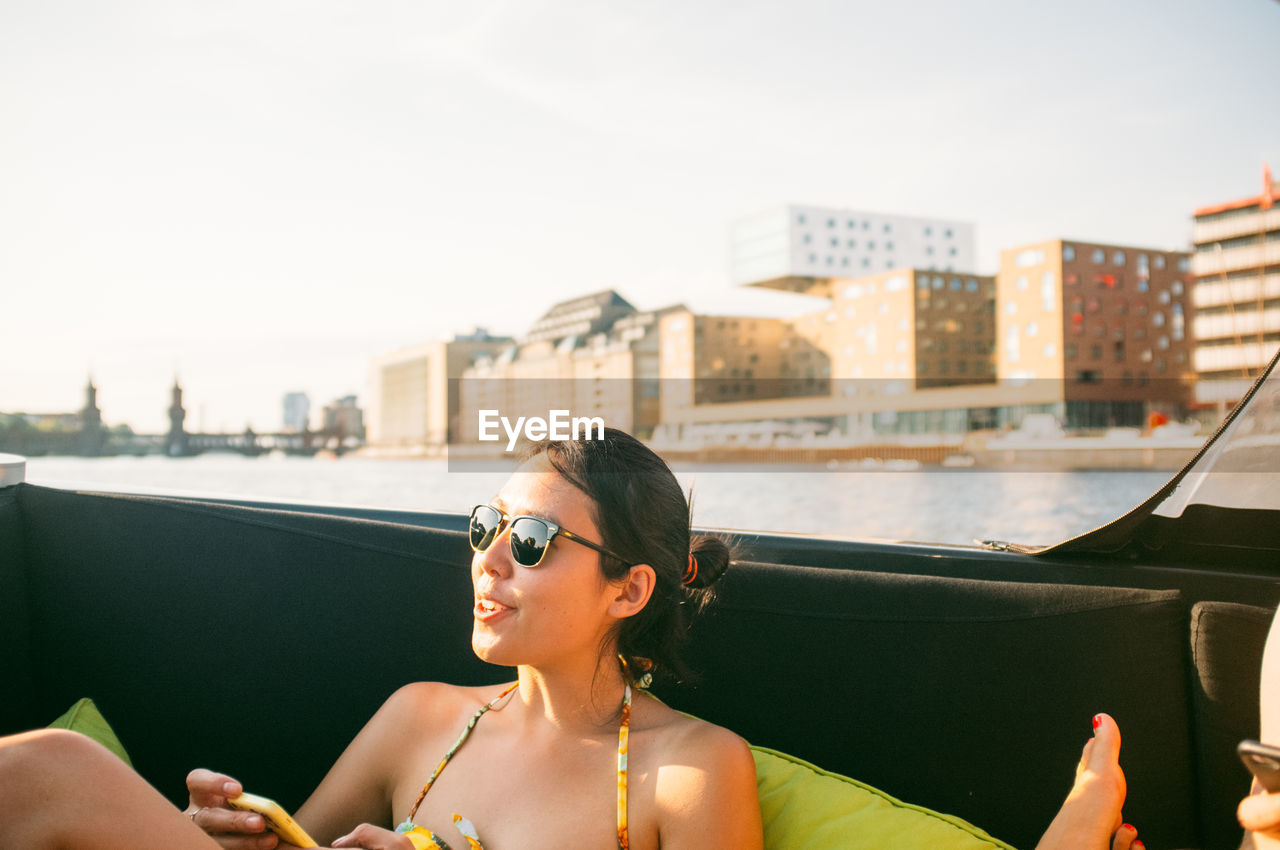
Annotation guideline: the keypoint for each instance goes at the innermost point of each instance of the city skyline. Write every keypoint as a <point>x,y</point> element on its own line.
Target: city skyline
<point>260,201</point>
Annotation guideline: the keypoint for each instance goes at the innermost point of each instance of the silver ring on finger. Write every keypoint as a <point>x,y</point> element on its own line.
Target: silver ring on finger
<point>196,812</point>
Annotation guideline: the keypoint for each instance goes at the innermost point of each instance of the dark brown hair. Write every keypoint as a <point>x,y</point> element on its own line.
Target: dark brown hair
<point>643,516</point>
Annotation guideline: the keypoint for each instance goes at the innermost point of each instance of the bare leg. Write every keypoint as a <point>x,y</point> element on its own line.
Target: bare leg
<point>1090,818</point>
<point>59,789</point>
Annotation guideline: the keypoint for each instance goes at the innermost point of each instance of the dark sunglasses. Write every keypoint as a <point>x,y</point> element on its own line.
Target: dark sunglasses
<point>530,535</point>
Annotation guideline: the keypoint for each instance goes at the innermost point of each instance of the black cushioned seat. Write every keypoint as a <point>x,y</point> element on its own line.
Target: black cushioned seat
<point>250,641</point>
<point>970,697</point>
<point>1226,654</point>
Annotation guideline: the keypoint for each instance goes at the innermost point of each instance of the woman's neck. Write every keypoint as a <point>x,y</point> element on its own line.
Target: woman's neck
<point>582,700</point>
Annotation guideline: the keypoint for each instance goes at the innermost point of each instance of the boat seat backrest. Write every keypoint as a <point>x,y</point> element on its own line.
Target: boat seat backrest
<point>970,697</point>
<point>259,641</point>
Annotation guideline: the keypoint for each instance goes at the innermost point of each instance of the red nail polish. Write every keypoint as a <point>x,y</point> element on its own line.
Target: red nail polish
<point>1139,845</point>
<point>1097,721</point>
<point>1130,826</point>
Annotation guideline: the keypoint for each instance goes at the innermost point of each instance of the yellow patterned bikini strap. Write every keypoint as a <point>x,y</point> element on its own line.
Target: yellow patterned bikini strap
<point>471,724</point>
<point>624,730</point>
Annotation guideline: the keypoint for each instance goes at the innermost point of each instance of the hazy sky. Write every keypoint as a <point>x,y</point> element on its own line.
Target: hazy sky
<point>260,196</point>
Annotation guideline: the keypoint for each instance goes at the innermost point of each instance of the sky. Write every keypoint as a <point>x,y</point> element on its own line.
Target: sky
<point>259,197</point>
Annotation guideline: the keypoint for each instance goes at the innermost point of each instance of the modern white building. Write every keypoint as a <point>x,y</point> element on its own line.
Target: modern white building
<point>412,390</point>
<point>787,248</point>
<point>1237,293</point>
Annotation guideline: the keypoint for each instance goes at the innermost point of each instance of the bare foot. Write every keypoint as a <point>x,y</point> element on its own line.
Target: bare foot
<point>1090,818</point>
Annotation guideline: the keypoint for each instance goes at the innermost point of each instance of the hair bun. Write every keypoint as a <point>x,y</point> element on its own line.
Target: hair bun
<point>711,555</point>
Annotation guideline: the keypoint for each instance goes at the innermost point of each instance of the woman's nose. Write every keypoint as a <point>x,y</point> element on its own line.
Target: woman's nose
<point>496,560</point>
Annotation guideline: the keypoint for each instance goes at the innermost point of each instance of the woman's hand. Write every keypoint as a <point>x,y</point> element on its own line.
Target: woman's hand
<point>1259,813</point>
<point>1090,818</point>
<point>208,809</point>
<point>371,837</point>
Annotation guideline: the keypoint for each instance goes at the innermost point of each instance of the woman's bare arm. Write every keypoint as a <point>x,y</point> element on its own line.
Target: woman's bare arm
<point>706,794</point>
<point>358,788</point>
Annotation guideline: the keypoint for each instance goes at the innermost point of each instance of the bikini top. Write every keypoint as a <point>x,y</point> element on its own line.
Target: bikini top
<point>425,839</point>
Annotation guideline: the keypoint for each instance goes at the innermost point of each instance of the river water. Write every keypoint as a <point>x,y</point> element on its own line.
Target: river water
<point>937,505</point>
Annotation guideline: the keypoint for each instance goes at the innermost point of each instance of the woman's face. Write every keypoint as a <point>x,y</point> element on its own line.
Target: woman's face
<point>557,612</point>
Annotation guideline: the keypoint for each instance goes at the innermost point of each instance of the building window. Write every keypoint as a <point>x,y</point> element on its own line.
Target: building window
<point>1176,287</point>
<point>866,262</point>
<point>1021,283</point>
<point>928,231</point>
<point>1032,329</point>
<point>1143,285</point>
<point>835,243</point>
<point>929,250</point>
<point>813,258</point>
<point>831,222</point>
<point>1163,297</point>
<point>807,239</point>
<point>852,224</point>
<point>1157,319</point>
<point>1068,252</point>
<point>1184,264</point>
<point>947,233</point>
<point>1048,292</point>
<point>1159,261</point>
<point>871,245</point>
<point>888,246</point>
<point>1071,350</point>
<point>888,228</point>
<point>1117,258</point>
<point>852,243</point>
<point>1099,256</point>
<point>800,219</point>
<point>1095,352</point>
<point>971,286</point>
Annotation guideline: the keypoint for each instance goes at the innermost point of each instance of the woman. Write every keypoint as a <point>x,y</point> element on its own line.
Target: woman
<point>583,575</point>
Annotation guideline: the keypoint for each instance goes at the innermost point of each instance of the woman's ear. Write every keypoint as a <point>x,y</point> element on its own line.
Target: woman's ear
<point>633,591</point>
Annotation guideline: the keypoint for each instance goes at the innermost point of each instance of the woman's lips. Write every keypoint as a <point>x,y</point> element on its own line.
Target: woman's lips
<point>488,610</point>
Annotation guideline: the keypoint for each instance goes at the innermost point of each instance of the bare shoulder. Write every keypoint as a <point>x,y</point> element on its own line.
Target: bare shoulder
<point>699,743</point>
<point>421,708</point>
<point>706,784</point>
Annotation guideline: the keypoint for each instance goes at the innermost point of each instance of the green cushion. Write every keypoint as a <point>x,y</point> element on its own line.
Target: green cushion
<point>84,717</point>
<point>805,806</point>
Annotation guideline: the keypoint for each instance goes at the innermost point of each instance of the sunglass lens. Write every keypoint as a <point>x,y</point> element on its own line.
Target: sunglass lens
<point>529,539</point>
<point>485,522</point>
